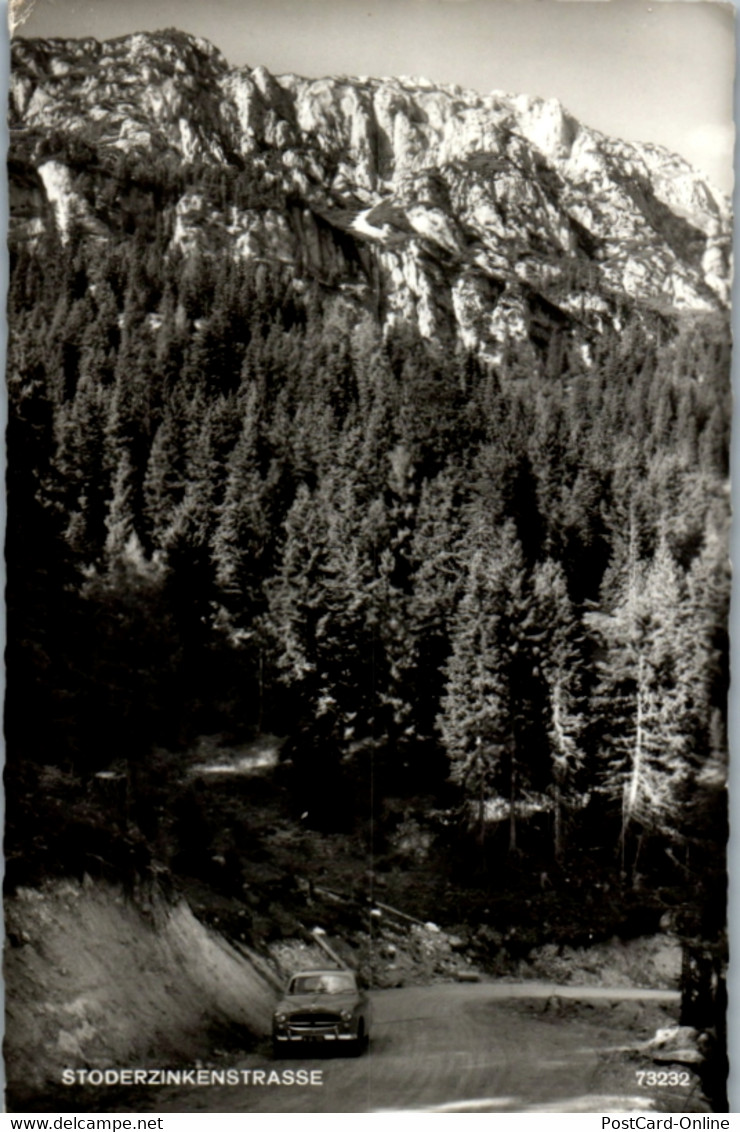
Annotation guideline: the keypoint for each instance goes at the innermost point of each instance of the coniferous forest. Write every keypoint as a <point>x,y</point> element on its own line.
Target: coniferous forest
<point>497,592</point>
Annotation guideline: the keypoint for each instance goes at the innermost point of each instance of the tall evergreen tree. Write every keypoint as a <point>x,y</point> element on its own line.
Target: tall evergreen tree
<point>242,533</point>
<point>557,650</point>
<point>643,701</point>
<point>480,721</point>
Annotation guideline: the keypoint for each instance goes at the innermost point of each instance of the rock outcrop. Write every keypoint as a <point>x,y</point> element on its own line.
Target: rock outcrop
<point>467,213</point>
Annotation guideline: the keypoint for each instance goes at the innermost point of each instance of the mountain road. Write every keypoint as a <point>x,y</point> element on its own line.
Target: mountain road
<point>472,1047</point>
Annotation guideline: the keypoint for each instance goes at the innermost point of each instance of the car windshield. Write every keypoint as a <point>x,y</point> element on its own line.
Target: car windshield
<point>322,984</point>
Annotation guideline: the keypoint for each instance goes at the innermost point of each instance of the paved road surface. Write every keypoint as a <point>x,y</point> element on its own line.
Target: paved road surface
<point>461,1047</point>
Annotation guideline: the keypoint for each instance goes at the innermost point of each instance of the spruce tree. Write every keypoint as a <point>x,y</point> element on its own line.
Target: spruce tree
<point>643,703</point>
<point>242,533</point>
<point>480,721</point>
<point>558,654</point>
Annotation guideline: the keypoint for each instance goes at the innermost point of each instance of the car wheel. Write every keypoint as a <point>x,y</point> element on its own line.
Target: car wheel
<point>361,1042</point>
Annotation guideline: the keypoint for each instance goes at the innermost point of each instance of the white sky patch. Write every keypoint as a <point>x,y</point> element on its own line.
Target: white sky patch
<point>710,146</point>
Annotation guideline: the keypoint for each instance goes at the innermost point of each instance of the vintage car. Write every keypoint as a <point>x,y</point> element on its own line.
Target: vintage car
<point>322,1007</point>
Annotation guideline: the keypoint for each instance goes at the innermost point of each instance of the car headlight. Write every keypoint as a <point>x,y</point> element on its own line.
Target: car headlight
<point>346,1015</point>
<point>281,1019</point>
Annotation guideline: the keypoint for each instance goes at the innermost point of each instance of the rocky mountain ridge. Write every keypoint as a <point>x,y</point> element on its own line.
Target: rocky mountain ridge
<point>480,218</point>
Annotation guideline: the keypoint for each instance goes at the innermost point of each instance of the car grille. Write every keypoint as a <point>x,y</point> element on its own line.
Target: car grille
<point>313,1019</point>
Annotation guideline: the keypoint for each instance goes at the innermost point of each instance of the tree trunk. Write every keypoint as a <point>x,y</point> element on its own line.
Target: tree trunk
<point>557,829</point>
<point>633,876</point>
<point>631,791</point>
<point>260,691</point>
<point>512,808</point>
<point>481,801</point>
<point>561,743</point>
<point>636,773</point>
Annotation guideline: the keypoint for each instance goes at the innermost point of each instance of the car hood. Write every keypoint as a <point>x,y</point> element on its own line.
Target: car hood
<point>318,1002</point>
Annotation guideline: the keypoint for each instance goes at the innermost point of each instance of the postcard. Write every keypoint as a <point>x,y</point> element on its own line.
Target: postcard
<point>367,554</point>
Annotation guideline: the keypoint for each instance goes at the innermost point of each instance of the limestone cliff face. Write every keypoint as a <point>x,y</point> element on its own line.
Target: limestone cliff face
<point>464,212</point>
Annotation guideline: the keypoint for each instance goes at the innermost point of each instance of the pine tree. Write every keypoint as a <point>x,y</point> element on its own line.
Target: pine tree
<point>80,476</point>
<point>436,585</point>
<point>242,533</point>
<point>643,701</point>
<point>317,616</point>
<point>122,543</point>
<point>557,648</point>
<point>706,649</point>
<point>480,720</point>
<point>388,596</point>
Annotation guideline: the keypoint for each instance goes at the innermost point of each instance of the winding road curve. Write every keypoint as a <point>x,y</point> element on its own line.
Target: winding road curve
<point>464,1047</point>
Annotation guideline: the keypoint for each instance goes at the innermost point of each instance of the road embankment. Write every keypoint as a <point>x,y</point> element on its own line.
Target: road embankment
<point>96,976</point>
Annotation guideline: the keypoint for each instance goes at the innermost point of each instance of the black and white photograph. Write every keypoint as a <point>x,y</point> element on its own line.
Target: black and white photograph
<point>367,557</point>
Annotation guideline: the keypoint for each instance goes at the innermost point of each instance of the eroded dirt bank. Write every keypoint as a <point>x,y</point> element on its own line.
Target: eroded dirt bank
<point>99,977</point>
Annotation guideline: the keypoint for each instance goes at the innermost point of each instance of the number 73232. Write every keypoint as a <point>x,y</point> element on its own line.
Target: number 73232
<point>650,1078</point>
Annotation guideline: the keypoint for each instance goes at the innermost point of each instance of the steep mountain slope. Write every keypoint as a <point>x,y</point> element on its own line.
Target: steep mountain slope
<point>479,218</point>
